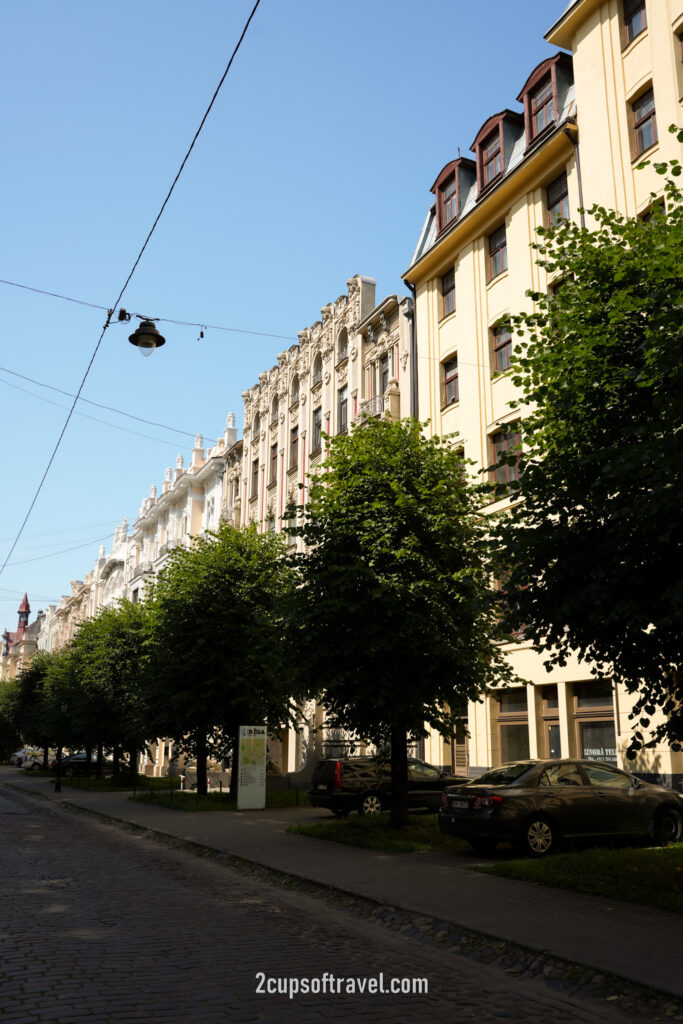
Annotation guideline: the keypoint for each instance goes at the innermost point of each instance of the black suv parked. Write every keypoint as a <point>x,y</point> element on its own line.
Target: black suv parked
<point>363,784</point>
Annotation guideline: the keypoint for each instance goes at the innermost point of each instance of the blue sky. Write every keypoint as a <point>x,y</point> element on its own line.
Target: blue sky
<point>315,164</point>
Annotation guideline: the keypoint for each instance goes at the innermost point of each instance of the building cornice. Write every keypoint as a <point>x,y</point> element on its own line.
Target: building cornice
<point>563,31</point>
<point>495,204</point>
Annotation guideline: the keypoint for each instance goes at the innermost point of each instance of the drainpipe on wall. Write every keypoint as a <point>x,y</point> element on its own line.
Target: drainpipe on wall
<point>573,137</point>
<point>413,353</point>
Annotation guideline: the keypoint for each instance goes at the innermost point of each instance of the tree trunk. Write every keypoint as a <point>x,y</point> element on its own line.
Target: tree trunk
<point>399,776</point>
<point>100,759</point>
<point>133,755</point>
<point>116,758</point>
<point>200,745</point>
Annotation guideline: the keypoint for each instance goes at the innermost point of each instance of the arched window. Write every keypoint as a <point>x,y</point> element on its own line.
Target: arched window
<point>256,426</point>
<point>317,369</point>
<point>342,345</point>
<point>295,389</point>
<point>274,410</point>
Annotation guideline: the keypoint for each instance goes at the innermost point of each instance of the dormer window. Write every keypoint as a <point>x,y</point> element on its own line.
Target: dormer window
<point>491,158</point>
<point>493,146</point>
<point>544,95</point>
<point>451,189</point>
<point>450,201</point>
<point>542,106</point>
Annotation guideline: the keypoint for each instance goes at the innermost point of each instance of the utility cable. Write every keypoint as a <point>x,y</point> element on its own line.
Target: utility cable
<point>158,319</point>
<point>115,304</point>
<point>98,405</point>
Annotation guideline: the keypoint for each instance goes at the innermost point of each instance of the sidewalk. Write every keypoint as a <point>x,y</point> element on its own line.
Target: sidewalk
<point>638,943</point>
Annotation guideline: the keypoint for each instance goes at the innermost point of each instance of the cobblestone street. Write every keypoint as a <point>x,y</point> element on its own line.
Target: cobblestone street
<point>100,926</point>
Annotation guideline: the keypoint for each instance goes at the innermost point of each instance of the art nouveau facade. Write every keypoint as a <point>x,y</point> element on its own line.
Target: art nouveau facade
<point>583,125</point>
<point>351,363</point>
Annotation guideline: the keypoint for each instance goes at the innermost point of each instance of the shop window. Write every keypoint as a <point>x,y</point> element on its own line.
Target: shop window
<point>594,721</point>
<point>514,742</point>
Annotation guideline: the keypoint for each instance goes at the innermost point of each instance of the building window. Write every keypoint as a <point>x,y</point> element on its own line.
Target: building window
<point>383,374</point>
<point>491,156</point>
<point>449,200</point>
<point>273,463</point>
<point>498,252</point>
<point>317,370</point>
<point>542,106</point>
<point>343,346</point>
<point>256,426</point>
<point>594,721</point>
<point>502,349</point>
<point>448,292</point>
<point>274,411</point>
<point>342,410</point>
<point>505,446</point>
<point>451,391</point>
<point>254,479</point>
<point>557,198</point>
<point>294,448</point>
<point>295,390</point>
<point>317,429</point>
<point>635,19</point>
<point>135,596</point>
<point>513,724</point>
<point>644,123</point>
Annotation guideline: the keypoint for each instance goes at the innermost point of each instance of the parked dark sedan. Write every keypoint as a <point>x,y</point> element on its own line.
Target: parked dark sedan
<point>80,764</point>
<point>537,804</point>
<point>363,784</point>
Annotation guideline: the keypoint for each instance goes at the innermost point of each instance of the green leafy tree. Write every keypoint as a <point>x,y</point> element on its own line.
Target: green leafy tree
<point>394,619</point>
<point>218,653</point>
<point>110,653</point>
<point>10,733</point>
<point>594,543</point>
<point>27,702</point>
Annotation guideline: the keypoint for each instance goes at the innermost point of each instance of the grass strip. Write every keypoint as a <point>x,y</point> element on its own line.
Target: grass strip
<point>373,832</point>
<point>651,876</point>
<point>191,801</point>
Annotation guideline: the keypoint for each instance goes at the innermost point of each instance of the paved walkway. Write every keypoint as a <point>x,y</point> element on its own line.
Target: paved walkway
<point>640,944</point>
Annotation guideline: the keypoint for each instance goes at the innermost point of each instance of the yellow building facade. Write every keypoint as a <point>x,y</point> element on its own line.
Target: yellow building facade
<point>586,118</point>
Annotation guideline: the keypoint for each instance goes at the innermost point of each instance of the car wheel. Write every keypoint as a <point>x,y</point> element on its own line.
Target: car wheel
<point>483,847</point>
<point>668,827</point>
<point>539,837</point>
<point>370,804</point>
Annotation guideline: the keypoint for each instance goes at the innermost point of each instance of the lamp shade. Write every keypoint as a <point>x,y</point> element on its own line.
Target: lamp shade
<point>147,338</point>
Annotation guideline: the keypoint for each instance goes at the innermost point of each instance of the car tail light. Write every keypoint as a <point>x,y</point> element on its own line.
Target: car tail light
<point>337,775</point>
<point>487,801</point>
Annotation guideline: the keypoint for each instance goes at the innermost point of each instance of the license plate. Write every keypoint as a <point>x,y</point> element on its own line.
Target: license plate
<point>460,805</point>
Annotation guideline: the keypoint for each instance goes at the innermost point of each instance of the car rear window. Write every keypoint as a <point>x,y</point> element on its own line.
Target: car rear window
<point>503,776</point>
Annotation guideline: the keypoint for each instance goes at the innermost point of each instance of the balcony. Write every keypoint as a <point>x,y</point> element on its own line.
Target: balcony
<point>371,407</point>
<point>143,569</point>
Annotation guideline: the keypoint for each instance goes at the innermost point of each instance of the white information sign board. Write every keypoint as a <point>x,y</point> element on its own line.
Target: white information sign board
<point>251,783</point>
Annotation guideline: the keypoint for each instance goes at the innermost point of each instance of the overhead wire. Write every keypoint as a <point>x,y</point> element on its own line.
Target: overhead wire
<point>158,319</point>
<point>110,312</point>
<point>98,405</point>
